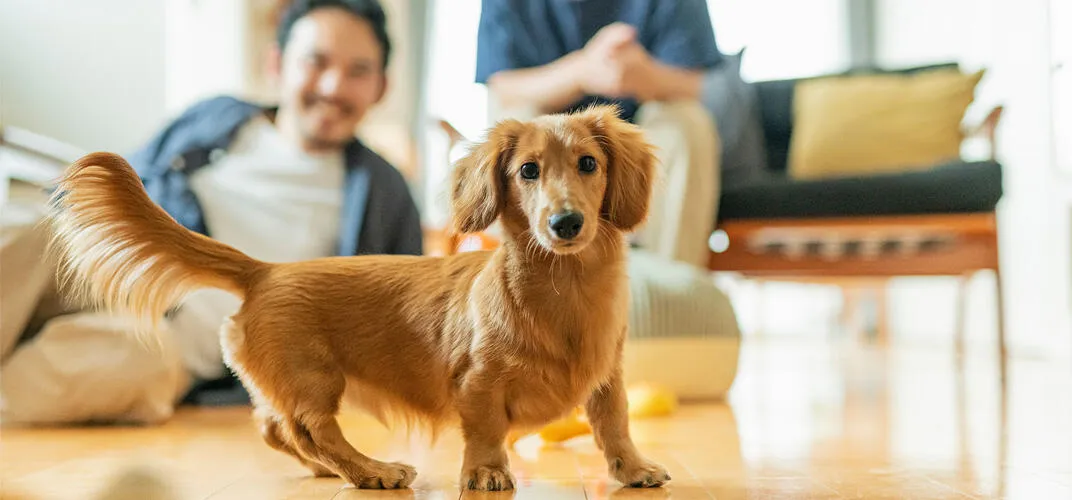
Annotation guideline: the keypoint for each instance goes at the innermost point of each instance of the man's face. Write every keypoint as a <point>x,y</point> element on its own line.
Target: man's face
<point>331,73</point>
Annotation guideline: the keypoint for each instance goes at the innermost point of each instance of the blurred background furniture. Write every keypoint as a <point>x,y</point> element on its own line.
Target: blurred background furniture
<point>926,220</point>
<point>28,163</point>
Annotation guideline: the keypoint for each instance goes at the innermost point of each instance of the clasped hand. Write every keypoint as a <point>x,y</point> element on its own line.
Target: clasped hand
<point>614,64</point>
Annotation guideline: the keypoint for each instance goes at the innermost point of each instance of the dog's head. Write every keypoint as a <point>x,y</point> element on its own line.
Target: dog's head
<point>560,177</point>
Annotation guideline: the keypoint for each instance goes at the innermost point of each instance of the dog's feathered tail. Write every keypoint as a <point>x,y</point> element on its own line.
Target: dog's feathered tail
<point>120,251</point>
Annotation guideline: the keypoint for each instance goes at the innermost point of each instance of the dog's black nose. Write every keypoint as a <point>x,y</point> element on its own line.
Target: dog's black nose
<point>566,225</point>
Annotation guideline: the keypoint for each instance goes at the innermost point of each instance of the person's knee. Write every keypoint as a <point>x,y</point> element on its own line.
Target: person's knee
<point>498,112</point>
<point>684,111</point>
<point>688,119</point>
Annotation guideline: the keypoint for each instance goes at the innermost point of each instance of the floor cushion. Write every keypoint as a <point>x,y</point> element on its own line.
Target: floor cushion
<point>683,331</point>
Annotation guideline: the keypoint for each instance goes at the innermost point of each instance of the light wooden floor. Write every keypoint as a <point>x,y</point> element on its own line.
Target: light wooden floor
<point>803,421</point>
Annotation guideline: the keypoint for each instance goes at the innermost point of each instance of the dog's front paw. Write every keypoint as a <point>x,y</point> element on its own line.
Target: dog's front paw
<point>639,473</point>
<point>385,476</point>
<point>488,478</point>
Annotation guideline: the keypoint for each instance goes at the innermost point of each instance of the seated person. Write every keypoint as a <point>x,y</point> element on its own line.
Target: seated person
<point>286,183</point>
<point>650,57</point>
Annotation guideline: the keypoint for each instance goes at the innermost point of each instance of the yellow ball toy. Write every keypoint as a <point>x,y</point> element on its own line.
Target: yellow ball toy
<point>645,401</point>
<point>650,400</point>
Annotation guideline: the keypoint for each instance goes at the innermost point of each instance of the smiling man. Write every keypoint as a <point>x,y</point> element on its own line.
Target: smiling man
<point>288,183</point>
<point>283,183</point>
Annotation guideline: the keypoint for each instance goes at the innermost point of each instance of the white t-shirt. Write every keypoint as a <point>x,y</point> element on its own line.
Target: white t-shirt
<point>270,200</point>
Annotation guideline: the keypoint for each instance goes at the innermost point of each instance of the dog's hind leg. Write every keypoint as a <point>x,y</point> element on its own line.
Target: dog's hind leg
<point>307,415</point>
<point>272,432</point>
<point>316,434</point>
<point>304,390</point>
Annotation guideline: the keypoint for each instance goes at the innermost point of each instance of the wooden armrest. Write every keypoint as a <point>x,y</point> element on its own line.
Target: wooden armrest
<point>987,129</point>
<point>446,241</point>
<point>453,135</point>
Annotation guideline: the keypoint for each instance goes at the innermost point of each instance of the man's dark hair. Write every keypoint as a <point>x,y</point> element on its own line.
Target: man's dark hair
<point>369,10</point>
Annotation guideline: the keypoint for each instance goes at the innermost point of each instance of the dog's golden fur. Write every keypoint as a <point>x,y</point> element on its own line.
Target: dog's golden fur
<point>495,341</point>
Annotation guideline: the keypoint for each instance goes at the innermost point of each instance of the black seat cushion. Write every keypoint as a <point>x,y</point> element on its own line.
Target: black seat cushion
<point>959,187</point>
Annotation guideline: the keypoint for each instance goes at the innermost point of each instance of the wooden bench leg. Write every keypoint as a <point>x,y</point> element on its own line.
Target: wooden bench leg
<point>999,289</point>
<point>1003,354</point>
<point>850,310</point>
<point>882,313</point>
<point>962,313</point>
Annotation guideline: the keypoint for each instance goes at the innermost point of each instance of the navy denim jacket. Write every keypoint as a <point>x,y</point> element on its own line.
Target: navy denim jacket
<point>379,215</point>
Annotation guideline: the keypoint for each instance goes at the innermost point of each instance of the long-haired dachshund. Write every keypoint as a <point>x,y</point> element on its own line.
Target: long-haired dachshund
<point>491,341</point>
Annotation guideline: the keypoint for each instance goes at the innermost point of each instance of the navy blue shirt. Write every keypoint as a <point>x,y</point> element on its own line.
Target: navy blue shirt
<point>518,34</point>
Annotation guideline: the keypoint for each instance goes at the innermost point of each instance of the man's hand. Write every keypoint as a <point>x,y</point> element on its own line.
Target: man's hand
<point>636,72</point>
<point>615,65</point>
<point>612,64</point>
<point>609,39</point>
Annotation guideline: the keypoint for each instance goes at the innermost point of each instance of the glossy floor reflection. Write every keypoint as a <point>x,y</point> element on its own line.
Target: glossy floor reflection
<point>803,421</point>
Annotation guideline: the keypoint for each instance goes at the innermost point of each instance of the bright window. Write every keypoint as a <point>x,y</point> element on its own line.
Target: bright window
<point>784,38</point>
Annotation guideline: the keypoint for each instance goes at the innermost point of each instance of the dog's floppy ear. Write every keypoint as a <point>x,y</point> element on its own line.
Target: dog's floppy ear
<point>477,180</point>
<point>630,170</point>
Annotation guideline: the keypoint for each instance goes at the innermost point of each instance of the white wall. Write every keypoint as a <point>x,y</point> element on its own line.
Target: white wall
<point>211,62</point>
<point>88,73</point>
<point>1011,40</point>
<point>1061,30</point>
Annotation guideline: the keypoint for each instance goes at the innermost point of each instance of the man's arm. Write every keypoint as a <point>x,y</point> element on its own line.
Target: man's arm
<point>648,79</point>
<point>545,89</point>
<point>681,53</point>
<point>676,83</point>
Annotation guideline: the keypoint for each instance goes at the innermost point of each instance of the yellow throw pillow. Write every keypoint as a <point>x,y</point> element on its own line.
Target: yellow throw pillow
<point>871,124</point>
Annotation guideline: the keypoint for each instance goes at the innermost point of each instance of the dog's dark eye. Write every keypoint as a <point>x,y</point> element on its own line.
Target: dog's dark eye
<point>587,164</point>
<point>530,171</point>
